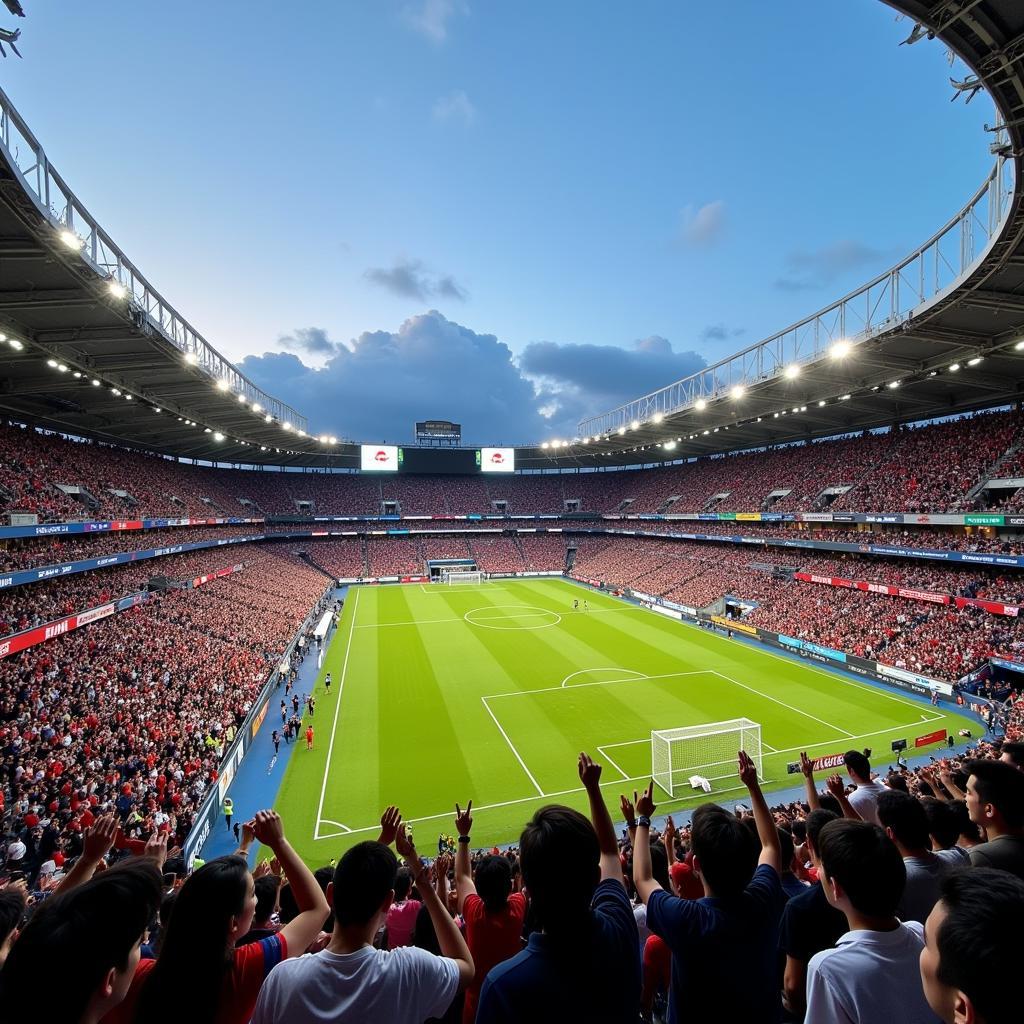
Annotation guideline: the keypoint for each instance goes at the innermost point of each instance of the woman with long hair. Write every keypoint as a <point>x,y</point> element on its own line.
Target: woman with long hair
<point>200,976</point>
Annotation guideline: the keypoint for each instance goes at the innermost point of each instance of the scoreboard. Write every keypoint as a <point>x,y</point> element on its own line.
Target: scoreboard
<point>386,458</point>
<point>439,433</point>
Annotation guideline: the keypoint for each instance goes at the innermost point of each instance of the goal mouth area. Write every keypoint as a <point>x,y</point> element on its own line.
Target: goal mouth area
<point>696,757</point>
<point>455,579</point>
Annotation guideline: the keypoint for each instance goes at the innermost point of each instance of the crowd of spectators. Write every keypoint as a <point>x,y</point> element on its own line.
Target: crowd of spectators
<point>497,553</point>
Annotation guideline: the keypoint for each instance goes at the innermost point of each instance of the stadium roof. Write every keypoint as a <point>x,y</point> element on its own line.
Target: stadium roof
<point>79,312</point>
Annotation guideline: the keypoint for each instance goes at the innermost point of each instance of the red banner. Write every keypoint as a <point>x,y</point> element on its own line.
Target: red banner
<point>227,571</point>
<point>18,642</point>
<point>828,761</point>
<point>876,588</point>
<point>933,737</point>
<point>995,607</point>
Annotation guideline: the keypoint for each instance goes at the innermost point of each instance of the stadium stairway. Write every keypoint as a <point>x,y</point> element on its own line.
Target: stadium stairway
<point>305,556</point>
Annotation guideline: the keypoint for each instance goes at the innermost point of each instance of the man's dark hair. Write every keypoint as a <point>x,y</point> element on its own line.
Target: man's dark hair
<point>324,876</point>
<point>725,848</point>
<point>362,880</point>
<point>942,822</point>
<point>560,858</point>
<point>865,862</point>
<point>979,941</point>
<point>906,817</point>
<point>266,896</point>
<point>659,866</point>
<point>858,764</point>
<point>12,909</point>
<point>897,781</point>
<point>816,821</point>
<point>1015,751</point>
<point>964,825</point>
<point>1001,785</point>
<point>87,931</point>
<point>785,849</point>
<point>493,877</point>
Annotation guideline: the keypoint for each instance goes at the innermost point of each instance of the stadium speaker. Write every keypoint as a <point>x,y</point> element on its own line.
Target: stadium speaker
<point>157,583</point>
<point>899,745</point>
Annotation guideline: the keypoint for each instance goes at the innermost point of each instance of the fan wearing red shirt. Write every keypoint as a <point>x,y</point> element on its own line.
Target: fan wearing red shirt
<point>199,964</point>
<point>493,913</point>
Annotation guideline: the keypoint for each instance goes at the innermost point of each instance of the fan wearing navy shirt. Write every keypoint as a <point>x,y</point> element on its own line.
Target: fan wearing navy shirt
<point>737,920</point>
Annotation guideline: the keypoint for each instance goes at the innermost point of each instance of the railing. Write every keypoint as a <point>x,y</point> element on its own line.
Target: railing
<point>62,208</point>
<point>882,304</point>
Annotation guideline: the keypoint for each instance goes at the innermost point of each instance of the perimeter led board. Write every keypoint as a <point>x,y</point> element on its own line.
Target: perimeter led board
<point>379,458</point>
<point>497,460</point>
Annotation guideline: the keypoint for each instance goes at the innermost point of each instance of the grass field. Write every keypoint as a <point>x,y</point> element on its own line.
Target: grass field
<point>488,692</point>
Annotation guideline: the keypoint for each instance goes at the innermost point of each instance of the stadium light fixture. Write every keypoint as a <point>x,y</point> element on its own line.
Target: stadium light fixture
<point>15,344</point>
<point>635,425</point>
<point>263,447</point>
<point>323,439</point>
<point>796,408</point>
<point>706,432</point>
<point>256,407</point>
<point>841,349</point>
<point>803,408</point>
<point>51,363</point>
<point>241,399</point>
<point>127,398</point>
<point>953,367</point>
<point>657,417</point>
<point>302,433</point>
<point>157,408</point>
<point>934,373</point>
<point>116,289</point>
<point>71,240</point>
<point>3,337</point>
<point>792,371</point>
<point>222,384</point>
<point>115,392</point>
<point>700,405</point>
<point>974,361</point>
<point>62,368</point>
<point>544,445</point>
<point>894,384</point>
<point>218,436</point>
<point>621,431</point>
<point>737,392</point>
<point>758,419</point>
<point>286,425</point>
<point>775,415</point>
<point>821,403</point>
<point>268,418</point>
<point>333,439</point>
<point>844,398</point>
<point>1019,345</point>
<point>77,375</point>
<point>95,382</point>
<point>191,359</point>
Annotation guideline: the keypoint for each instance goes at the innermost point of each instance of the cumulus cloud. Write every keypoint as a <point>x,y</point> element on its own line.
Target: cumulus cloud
<point>456,108</point>
<point>375,387</point>
<point>704,225</point>
<point>409,279</point>
<point>311,340</point>
<point>601,375</point>
<point>815,268</point>
<point>430,18</point>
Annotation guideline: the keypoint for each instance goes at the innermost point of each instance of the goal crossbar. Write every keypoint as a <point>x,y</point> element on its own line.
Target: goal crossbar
<point>455,578</point>
<point>696,756</point>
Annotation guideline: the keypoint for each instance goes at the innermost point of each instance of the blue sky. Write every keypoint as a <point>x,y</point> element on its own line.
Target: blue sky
<point>595,198</point>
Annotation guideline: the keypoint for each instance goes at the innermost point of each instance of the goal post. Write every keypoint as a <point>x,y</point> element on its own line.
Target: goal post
<point>456,578</point>
<point>698,756</point>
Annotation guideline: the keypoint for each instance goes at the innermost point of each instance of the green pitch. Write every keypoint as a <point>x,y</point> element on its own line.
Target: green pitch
<point>488,692</point>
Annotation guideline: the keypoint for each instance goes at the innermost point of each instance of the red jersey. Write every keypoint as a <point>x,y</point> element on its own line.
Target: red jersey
<point>492,939</point>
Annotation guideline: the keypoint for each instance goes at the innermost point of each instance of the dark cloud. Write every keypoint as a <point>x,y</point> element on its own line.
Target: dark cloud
<point>376,387</point>
<point>605,373</point>
<point>410,280</point>
<point>311,340</point>
<point>816,268</point>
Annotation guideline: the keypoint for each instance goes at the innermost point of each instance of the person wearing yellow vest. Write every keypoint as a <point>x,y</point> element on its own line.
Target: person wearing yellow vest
<point>229,809</point>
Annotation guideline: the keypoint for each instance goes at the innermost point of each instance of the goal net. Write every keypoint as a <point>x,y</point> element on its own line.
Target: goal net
<point>699,756</point>
<point>455,578</point>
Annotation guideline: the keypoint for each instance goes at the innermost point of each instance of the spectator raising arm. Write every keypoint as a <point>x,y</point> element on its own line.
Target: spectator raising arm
<point>629,816</point>
<point>463,871</point>
<point>767,831</point>
<point>590,776</point>
<point>313,908</point>
<point>838,790</point>
<point>449,938</point>
<point>643,872</point>
<point>807,767</point>
<point>248,836</point>
<point>97,844</point>
<point>390,821</point>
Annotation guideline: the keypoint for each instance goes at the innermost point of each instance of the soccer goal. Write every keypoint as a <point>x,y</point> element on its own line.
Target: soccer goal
<point>698,756</point>
<point>456,578</point>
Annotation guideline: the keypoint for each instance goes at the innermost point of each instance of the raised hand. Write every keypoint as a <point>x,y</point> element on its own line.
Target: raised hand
<point>836,786</point>
<point>590,772</point>
<point>268,828</point>
<point>390,821</point>
<point>806,765</point>
<point>464,819</point>
<point>248,833</point>
<point>670,827</point>
<point>442,865</point>
<point>407,851</point>
<point>156,849</point>
<point>100,838</point>
<point>645,805</point>
<point>261,869</point>
<point>747,770</point>
<point>627,808</point>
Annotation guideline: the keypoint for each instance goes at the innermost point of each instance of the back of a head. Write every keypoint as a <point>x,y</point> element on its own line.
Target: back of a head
<point>81,935</point>
<point>725,848</point>
<point>324,877</point>
<point>942,822</point>
<point>897,781</point>
<point>857,764</point>
<point>1001,785</point>
<point>785,849</point>
<point>12,909</point>
<point>659,866</point>
<point>962,816</point>
<point>560,859</point>
<point>493,877</point>
<point>906,817</point>
<point>1012,753</point>
<point>979,940</point>
<point>266,897</point>
<point>865,863</point>
<point>363,879</point>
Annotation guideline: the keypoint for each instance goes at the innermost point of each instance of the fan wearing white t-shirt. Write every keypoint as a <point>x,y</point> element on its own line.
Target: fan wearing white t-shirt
<point>352,981</point>
<point>871,975</point>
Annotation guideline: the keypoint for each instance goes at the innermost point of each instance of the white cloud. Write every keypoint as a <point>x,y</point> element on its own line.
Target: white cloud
<point>455,107</point>
<point>705,224</point>
<point>430,18</point>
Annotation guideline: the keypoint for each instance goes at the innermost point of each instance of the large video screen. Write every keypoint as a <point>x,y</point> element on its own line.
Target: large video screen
<point>497,460</point>
<point>378,458</point>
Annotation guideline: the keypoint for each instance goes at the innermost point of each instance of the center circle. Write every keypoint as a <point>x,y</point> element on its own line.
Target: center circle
<point>510,612</point>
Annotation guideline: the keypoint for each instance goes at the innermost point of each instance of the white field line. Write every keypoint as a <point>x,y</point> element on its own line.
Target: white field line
<point>770,749</point>
<point>600,682</point>
<point>334,726</point>
<point>610,668</point>
<point>512,747</point>
<point>781,703</point>
<point>608,758</point>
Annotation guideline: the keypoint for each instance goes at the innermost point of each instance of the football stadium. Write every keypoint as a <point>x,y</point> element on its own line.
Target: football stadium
<point>685,693</point>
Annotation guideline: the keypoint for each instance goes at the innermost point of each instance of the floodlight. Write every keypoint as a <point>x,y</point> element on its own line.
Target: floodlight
<point>791,371</point>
